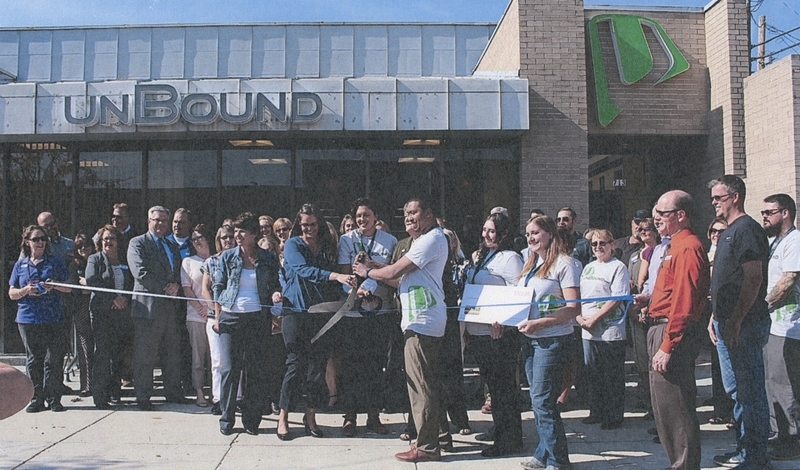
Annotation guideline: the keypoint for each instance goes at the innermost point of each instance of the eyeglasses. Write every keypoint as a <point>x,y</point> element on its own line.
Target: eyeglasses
<point>717,231</point>
<point>38,239</point>
<point>720,198</point>
<point>770,212</point>
<point>563,219</point>
<point>644,229</point>
<point>283,229</point>
<point>600,244</point>
<point>665,213</point>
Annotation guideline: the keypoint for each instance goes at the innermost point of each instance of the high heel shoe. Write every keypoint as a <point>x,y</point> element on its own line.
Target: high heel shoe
<point>311,432</point>
<point>286,436</point>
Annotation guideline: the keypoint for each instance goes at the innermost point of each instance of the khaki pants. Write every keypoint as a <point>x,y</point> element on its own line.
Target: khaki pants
<point>424,388</point>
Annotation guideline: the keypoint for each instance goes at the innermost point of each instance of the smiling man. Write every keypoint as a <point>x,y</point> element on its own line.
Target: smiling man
<point>675,307</point>
<point>418,275</point>
<point>740,324</point>
<point>155,264</point>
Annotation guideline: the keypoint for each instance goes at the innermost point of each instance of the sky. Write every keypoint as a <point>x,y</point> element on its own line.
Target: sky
<point>782,15</point>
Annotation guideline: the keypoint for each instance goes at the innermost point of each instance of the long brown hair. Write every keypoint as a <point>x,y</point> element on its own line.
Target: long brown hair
<point>556,248</point>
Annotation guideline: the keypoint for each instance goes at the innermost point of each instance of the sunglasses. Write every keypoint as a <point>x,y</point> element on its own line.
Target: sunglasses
<point>770,212</point>
<point>38,239</point>
<point>563,219</point>
<point>715,230</point>
<point>600,244</point>
<point>80,246</point>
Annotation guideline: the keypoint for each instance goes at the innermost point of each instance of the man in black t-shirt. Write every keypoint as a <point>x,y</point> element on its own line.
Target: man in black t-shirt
<point>626,246</point>
<point>740,324</point>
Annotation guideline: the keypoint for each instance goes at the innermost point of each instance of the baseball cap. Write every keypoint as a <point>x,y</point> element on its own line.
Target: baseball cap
<point>499,210</point>
<point>641,214</point>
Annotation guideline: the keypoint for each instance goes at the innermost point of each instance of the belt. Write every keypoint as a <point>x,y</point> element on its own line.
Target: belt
<point>659,321</point>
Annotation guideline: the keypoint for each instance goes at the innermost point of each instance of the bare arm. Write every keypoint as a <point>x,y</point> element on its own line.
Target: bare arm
<point>747,296</point>
<point>608,307</point>
<point>785,285</point>
<point>390,274</point>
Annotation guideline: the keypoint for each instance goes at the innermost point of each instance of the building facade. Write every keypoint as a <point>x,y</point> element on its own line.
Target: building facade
<point>557,104</point>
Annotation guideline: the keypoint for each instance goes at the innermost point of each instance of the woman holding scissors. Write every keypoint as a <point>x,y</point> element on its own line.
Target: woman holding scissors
<point>365,339</point>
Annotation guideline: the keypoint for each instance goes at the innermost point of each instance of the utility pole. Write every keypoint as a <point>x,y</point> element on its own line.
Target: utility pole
<point>762,38</point>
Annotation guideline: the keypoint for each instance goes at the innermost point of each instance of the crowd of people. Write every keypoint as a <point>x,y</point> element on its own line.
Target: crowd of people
<point>270,315</point>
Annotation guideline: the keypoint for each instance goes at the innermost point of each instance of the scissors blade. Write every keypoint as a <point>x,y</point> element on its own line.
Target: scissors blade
<point>347,306</point>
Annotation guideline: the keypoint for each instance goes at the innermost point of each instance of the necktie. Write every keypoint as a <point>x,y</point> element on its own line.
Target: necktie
<point>165,246</point>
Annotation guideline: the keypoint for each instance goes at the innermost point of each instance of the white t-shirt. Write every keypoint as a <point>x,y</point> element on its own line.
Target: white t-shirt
<point>566,273</point>
<point>247,299</point>
<point>502,269</point>
<point>380,249</point>
<point>192,277</point>
<point>421,293</point>
<point>786,259</point>
<point>603,280</point>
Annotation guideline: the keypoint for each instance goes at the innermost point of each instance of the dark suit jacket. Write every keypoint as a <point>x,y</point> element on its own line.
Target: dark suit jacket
<point>151,273</point>
<point>99,273</point>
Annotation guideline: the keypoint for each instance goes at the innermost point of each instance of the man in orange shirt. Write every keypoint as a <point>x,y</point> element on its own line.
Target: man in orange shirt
<point>676,305</point>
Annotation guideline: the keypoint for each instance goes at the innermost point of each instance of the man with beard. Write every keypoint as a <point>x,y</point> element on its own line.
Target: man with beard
<point>782,353</point>
<point>577,244</point>
<point>626,246</point>
<point>59,246</point>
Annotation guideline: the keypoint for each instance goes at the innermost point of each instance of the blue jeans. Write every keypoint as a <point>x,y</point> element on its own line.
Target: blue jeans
<point>545,361</point>
<point>742,370</point>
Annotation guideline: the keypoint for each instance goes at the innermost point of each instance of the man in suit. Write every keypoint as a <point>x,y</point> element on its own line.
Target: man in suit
<point>155,263</point>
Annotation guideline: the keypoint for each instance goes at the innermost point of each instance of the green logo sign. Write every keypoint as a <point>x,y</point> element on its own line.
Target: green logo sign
<point>634,59</point>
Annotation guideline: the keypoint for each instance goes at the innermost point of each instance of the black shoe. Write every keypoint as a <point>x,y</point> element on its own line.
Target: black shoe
<point>215,409</point>
<point>66,390</point>
<point>312,432</point>
<point>57,406</point>
<point>35,407</point>
<point>226,431</point>
<point>251,431</point>
<point>145,405</point>
<point>484,437</point>
<point>276,410</point>
<point>284,437</point>
<point>103,406</point>
<point>591,420</point>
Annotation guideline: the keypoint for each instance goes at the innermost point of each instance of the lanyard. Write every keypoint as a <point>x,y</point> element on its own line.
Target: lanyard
<point>368,249</point>
<point>533,271</point>
<point>481,266</point>
<point>777,241</point>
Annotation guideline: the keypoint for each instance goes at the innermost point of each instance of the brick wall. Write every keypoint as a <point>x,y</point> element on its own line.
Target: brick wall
<point>554,153</point>
<point>772,113</point>
<point>676,106</point>
<point>727,52</point>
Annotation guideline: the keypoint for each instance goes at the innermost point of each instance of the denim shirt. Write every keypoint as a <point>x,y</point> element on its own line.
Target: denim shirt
<point>225,285</point>
<point>307,277</point>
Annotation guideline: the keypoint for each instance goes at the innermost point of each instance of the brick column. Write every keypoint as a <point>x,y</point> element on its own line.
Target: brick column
<point>554,162</point>
<point>728,58</point>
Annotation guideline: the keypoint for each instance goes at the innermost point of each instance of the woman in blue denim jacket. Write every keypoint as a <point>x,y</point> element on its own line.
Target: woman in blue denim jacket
<point>309,260</point>
<point>243,288</point>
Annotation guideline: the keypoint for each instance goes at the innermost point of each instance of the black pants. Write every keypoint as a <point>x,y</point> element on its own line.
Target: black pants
<point>45,348</point>
<point>364,346</point>
<point>109,331</point>
<point>243,347</point>
<point>305,362</point>
<point>497,359</point>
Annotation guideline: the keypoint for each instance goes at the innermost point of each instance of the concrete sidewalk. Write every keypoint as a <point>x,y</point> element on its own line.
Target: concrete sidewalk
<point>187,437</point>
